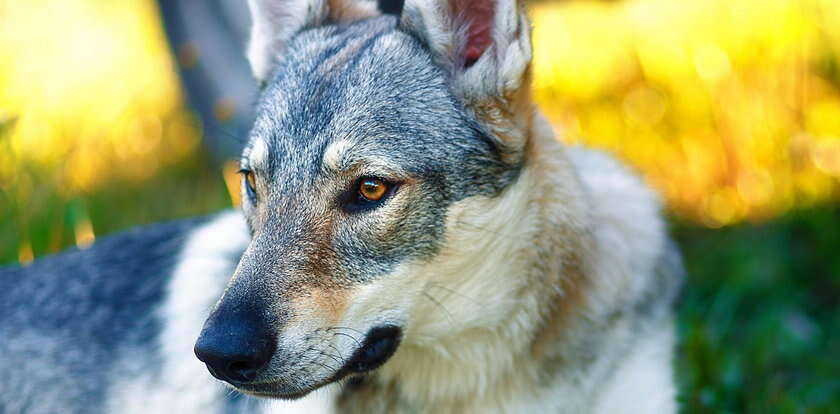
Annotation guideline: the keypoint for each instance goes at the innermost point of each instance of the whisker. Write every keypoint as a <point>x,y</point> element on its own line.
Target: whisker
<point>335,358</point>
<point>329,368</point>
<point>436,302</point>
<point>351,329</point>
<point>452,291</point>
<point>230,392</point>
<point>337,351</point>
<point>482,229</point>
<point>351,337</point>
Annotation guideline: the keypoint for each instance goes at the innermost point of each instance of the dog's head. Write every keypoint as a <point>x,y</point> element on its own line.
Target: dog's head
<point>370,127</point>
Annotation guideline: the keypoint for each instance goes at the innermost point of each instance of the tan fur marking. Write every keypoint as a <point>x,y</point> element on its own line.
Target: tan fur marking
<point>566,303</point>
<point>344,10</point>
<point>334,63</point>
<point>330,304</point>
<point>510,118</point>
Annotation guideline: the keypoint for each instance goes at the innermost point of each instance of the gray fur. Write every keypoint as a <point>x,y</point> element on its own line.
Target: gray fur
<point>68,317</point>
<point>664,287</point>
<point>77,325</point>
<point>389,100</point>
<point>377,87</point>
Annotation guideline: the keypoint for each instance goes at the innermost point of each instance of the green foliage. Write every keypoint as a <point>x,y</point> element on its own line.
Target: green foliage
<point>758,320</point>
<point>39,215</point>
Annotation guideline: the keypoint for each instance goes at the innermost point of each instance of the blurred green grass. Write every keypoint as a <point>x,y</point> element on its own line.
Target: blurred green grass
<point>758,320</point>
<point>47,222</point>
<point>38,216</point>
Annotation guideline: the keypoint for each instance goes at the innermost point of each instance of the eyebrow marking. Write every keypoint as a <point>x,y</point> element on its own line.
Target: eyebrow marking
<point>258,154</point>
<point>334,153</point>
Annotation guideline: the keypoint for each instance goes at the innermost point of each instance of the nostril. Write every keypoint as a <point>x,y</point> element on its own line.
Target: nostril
<point>236,344</point>
<point>242,371</point>
<point>234,359</point>
<point>234,368</point>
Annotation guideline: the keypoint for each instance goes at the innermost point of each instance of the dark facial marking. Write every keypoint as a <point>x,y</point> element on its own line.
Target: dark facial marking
<point>379,345</point>
<point>393,7</point>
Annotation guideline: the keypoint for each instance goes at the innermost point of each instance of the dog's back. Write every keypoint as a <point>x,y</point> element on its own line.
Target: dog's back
<point>66,319</point>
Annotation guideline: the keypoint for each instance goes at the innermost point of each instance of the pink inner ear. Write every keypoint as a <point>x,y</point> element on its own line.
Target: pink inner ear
<point>478,15</point>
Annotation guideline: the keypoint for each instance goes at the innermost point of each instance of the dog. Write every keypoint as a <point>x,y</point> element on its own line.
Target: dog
<point>412,239</point>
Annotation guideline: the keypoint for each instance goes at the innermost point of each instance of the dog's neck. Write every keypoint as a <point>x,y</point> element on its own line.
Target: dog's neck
<point>508,280</point>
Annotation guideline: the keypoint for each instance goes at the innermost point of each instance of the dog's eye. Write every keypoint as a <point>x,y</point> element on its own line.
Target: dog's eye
<point>372,189</point>
<point>367,193</point>
<point>250,181</point>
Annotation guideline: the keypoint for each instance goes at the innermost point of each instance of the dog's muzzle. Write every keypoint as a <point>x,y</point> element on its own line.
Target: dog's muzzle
<point>236,350</point>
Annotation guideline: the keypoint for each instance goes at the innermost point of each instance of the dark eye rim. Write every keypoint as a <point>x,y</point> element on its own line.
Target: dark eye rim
<point>352,201</point>
<point>249,189</point>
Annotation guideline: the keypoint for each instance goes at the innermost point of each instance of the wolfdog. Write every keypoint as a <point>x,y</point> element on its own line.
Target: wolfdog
<point>412,239</point>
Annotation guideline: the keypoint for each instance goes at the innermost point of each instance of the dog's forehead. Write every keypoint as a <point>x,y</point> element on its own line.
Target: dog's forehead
<point>365,86</point>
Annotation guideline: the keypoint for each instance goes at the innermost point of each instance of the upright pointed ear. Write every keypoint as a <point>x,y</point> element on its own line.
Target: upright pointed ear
<point>274,22</point>
<point>484,46</point>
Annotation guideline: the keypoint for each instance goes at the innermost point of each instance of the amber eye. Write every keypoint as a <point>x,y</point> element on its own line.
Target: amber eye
<point>372,189</point>
<point>250,181</point>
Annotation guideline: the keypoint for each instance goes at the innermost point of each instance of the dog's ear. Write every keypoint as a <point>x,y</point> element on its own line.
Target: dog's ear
<point>273,22</point>
<point>484,46</point>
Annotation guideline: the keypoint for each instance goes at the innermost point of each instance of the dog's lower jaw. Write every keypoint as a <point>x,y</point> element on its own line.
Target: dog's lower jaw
<point>380,343</point>
<point>275,396</point>
<point>276,392</point>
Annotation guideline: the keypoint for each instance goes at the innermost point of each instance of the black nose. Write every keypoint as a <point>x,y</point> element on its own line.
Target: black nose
<point>233,346</point>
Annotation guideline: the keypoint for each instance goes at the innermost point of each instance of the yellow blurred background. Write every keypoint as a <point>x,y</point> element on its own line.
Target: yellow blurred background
<point>92,88</point>
<point>730,108</point>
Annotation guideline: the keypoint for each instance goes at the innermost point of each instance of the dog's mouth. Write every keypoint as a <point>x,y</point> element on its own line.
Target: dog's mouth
<point>378,347</point>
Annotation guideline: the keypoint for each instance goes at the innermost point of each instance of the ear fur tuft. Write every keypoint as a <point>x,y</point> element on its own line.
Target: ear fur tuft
<point>476,16</point>
<point>274,22</point>
<point>484,47</point>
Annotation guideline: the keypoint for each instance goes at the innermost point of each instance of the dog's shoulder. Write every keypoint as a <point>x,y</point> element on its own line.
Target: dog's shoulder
<point>635,261</point>
<point>623,209</point>
<point>173,380</point>
<point>637,273</point>
<point>616,191</point>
